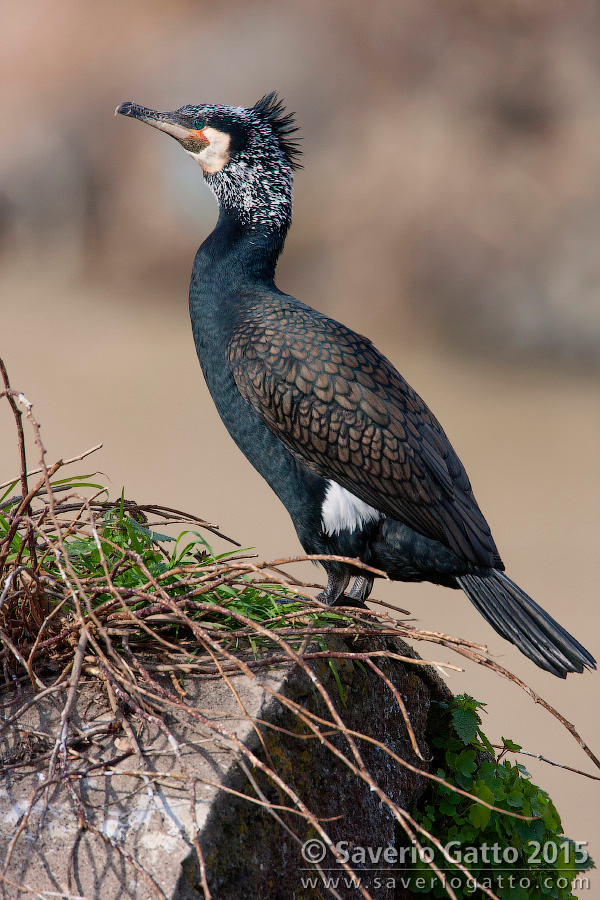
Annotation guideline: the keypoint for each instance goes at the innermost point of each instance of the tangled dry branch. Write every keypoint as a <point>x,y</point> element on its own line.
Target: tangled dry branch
<point>91,592</point>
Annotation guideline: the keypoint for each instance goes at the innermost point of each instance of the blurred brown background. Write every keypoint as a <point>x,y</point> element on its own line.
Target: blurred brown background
<point>449,207</point>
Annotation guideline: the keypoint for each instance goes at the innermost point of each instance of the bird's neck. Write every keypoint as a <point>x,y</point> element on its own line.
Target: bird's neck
<point>255,212</point>
<point>238,251</point>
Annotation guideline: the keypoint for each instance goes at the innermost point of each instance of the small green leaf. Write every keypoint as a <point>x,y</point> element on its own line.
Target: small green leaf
<point>465,763</point>
<point>515,798</point>
<point>336,675</point>
<point>9,490</point>
<point>513,891</point>
<point>466,724</point>
<point>157,536</point>
<point>447,808</point>
<point>486,743</point>
<point>510,745</point>
<point>479,816</point>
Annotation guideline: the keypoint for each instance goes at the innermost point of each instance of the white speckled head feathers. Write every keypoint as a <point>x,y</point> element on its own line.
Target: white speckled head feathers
<point>255,181</point>
<point>247,155</point>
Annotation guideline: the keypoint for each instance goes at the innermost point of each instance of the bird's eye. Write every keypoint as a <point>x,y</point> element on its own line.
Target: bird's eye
<point>199,124</point>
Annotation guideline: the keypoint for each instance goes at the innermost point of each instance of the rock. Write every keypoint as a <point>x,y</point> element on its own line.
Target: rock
<point>140,839</point>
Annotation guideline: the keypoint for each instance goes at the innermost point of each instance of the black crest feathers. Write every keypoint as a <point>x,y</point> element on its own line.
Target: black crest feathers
<point>271,110</point>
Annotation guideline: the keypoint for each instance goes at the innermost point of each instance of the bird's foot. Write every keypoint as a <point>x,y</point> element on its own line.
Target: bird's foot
<point>334,594</point>
<point>342,600</point>
<point>362,587</point>
<point>349,600</point>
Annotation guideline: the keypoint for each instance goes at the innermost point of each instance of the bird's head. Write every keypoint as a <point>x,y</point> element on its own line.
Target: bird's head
<point>247,155</point>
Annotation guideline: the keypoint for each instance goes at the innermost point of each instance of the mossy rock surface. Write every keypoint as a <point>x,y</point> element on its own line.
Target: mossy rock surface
<point>249,854</point>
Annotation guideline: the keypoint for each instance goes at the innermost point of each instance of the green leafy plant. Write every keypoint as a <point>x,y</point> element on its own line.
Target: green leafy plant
<point>111,554</point>
<point>516,858</point>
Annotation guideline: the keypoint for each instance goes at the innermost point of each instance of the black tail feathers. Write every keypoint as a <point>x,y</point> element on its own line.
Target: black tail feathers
<point>520,620</point>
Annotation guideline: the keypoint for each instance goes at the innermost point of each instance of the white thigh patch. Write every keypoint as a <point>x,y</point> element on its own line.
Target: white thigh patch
<point>343,511</point>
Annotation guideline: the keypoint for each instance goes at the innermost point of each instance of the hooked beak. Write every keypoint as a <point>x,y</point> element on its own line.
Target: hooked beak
<point>169,122</point>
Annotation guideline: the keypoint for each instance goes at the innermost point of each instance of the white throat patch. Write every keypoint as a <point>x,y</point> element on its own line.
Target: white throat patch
<point>215,157</point>
<point>342,511</point>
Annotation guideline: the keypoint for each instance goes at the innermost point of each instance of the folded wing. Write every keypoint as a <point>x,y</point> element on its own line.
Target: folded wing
<point>342,409</point>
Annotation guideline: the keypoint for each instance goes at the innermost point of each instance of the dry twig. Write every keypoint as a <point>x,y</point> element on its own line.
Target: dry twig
<point>100,622</point>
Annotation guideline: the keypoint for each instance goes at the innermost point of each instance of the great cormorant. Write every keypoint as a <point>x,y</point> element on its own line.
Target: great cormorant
<point>363,467</point>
